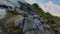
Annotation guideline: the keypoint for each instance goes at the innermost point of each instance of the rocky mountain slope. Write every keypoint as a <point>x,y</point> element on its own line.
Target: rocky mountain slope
<point>19,17</point>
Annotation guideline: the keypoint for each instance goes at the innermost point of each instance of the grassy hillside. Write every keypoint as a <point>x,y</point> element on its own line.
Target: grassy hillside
<point>46,15</point>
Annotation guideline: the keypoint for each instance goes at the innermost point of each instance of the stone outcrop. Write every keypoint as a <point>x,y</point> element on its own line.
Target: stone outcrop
<point>21,18</point>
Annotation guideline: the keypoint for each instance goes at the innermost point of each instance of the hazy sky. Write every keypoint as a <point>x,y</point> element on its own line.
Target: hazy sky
<point>53,6</point>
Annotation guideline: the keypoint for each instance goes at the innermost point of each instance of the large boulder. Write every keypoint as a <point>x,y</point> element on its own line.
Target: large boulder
<point>11,3</point>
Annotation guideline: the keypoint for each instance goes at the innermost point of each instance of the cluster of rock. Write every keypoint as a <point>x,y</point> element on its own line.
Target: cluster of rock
<point>23,20</point>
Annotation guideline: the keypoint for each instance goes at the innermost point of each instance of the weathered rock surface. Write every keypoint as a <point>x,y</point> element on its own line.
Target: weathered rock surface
<point>20,18</point>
